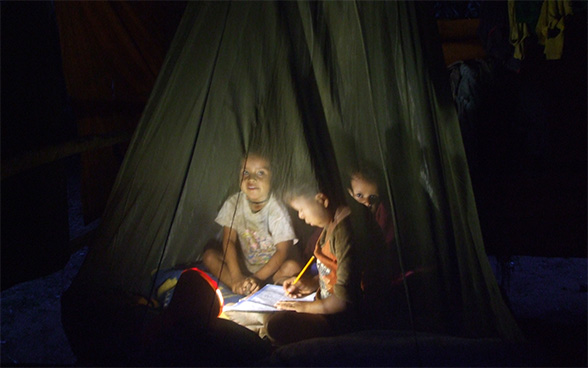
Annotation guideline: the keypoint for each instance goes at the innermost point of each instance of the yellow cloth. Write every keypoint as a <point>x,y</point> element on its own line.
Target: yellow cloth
<point>166,286</point>
<point>518,31</point>
<point>553,13</point>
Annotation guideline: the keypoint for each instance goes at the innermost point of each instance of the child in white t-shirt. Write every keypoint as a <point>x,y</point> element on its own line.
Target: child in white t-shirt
<point>258,236</point>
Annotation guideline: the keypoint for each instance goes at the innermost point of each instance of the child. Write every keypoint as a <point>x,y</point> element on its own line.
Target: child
<point>364,188</point>
<point>259,224</point>
<point>339,300</point>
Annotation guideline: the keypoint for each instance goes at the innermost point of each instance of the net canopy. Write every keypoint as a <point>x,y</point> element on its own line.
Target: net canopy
<point>320,88</point>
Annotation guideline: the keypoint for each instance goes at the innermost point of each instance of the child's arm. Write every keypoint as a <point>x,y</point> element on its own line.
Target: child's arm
<point>329,305</point>
<point>304,286</point>
<point>275,262</point>
<point>229,244</point>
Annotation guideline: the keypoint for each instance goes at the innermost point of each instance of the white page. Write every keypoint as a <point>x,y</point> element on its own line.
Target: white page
<point>265,299</point>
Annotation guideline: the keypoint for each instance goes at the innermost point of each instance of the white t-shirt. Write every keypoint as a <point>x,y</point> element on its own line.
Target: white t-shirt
<point>258,232</point>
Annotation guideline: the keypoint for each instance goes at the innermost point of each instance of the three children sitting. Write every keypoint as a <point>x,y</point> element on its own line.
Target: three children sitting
<point>352,256</point>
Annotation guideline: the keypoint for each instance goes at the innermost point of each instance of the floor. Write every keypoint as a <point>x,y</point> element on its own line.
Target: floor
<point>547,296</point>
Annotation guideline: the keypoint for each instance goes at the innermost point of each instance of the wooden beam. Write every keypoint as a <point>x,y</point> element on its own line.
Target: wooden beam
<point>32,159</point>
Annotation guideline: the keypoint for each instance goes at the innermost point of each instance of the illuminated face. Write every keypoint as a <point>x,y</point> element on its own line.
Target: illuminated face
<point>312,210</point>
<point>364,191</point>
<point>255,179</point>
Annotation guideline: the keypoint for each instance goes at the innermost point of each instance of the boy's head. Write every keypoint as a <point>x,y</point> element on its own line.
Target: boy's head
<point>311,204</point>
<point>256,178</point>
<point>364,180</point>
<point>363,189</point>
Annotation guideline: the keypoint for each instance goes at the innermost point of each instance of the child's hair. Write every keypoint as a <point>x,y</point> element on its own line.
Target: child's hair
<point>364,170</point>
<point>257,153</point>
<point>367,171</point>
<point>306,189</point>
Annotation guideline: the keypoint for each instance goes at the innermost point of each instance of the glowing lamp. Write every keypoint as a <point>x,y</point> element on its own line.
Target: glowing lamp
<point>196,298</point>
<point>214,285</point>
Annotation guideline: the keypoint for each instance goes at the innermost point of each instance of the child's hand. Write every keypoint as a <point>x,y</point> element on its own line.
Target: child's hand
<point>251,285</point>
<point>302,287</point>
<point>237,287</point>
<point>246,286</point>
<point>299,307</point>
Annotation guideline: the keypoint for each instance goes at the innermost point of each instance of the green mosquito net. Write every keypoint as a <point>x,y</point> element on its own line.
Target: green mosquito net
<point>321,88</point>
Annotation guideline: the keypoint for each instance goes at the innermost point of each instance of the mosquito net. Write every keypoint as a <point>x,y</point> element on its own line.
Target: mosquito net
<point>320,88</point>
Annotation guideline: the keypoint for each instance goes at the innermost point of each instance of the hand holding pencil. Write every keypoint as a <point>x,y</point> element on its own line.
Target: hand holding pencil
<point>297,287</point>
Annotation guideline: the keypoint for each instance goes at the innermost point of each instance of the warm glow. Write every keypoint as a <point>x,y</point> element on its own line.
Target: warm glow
<point>214,285</point>
<point>221,301</point>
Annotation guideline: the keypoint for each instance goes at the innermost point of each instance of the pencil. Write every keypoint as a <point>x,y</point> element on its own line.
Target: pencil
<point>304,269</point>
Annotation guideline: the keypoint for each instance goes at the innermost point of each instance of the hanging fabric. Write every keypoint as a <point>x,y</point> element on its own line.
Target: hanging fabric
<point>321,88</point>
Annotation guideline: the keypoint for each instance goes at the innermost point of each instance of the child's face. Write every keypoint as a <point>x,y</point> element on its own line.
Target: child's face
<point>256,177</point>
<point>312,210</point>
<point>363,191</point>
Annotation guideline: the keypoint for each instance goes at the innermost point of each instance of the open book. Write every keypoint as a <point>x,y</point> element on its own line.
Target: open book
<point>264,300</point>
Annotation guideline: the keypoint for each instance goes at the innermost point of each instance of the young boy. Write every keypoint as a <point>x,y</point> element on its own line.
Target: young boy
<point>339,300</point>
<point>258,236</point>
<point>363,187</point>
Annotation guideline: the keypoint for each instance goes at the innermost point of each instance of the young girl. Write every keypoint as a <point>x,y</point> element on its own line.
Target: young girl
<point>258,237</point>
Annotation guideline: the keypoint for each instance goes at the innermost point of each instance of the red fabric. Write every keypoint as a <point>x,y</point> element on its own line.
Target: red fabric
<point>323,252</point>
<point>311,244</point>
<point>326,257</point>
<point>384,219</point>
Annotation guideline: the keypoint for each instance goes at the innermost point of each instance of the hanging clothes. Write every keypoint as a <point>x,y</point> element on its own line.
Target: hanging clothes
<point>545,20</point>
<point>551,25</point>
<point>519,31</point>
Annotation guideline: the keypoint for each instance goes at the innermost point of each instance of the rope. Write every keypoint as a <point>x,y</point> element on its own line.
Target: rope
<point>164,248</point>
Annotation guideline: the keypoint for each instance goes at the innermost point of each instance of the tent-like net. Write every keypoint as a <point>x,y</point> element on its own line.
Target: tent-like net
<point>320,87</point>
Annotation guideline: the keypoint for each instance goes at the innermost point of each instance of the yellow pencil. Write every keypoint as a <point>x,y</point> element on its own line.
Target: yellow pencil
<point>304,269</point>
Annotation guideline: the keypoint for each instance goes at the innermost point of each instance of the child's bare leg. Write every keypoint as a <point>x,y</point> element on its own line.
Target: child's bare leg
<point>288,269</point>
<point>212,259</point>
